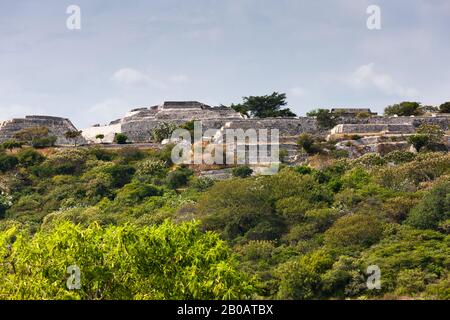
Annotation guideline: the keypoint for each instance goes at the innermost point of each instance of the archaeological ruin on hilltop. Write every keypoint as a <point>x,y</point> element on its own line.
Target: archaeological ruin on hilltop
<point>139,123</point>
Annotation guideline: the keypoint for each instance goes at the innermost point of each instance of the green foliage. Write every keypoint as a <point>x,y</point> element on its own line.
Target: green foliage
<point>7,162</point>
<point>120,138</point>
<point>264,106</point>
<point>306,142</point>
<point>100,137</point>
<point>120,174</point>
<point>126,262</point>
<point>404,109</point>
<point>202,183</point>
<point>29,157</point>
<point>5,203</point>
<point>73,135</point>
<point>163,131</point>
<point>12,144</point>
<point>30,134</point>
<point>43,142</point>
<point>353,232</point>
<point>304,233</point>
<point>300,279</point>
<point>178,178</point>
<point>445,107</point>
<point>432,209</point>
<point>149,169</point>
<point>398,156</point>
<point>325,120</point>
<point>409,249</point>
<point>134,193</point>
<point>242,172</point>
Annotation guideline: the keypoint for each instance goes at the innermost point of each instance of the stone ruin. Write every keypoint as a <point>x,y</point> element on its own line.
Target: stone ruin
<point>57,127</point>
<point>139,123</point>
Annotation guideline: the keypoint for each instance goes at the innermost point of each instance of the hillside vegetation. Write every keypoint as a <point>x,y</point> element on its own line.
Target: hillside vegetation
<point>139,227</point>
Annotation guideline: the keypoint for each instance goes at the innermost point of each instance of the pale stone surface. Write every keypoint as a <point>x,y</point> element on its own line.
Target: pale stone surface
<point>57,127</point>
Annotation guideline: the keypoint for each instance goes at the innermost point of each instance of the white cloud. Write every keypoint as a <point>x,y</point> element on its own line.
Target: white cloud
<point>297,91</point>
<point>179,78</point>
<point>366,76</point>
<point>129,76</point>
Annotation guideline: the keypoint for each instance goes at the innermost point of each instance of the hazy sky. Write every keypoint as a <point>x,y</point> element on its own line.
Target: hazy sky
<point>140,53</point>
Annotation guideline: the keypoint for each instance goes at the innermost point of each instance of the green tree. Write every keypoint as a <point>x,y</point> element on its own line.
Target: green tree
<point>73,135</point>
<point>30,134</point>
<point>29,157</point>
<point>419,141</point>
<point>178,178</point>
<point>405,108</point>
<point>242,172</point>
<point>354,231</point>
<point>306,142</point>
<point>7,162</point>
<point>12,144</point>
<point>434,133</point>
<point>325,119</point>
<point>163,131</point>
<point>264,106</point>
<point>120,138</point>
<point>119,262</point>
<point>100,137</point>
<point>300,278</point>
<point>445,107</point>
<point>432,209</point>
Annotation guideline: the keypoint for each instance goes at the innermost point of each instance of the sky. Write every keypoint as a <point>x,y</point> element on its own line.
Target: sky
<point>135,53</point>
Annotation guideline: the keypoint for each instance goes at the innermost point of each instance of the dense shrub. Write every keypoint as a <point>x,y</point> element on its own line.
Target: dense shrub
<point>432,209</point>
<point>127,262</point>
<point>29,157</point>
<point>242,172</point>
<point>7,162</point>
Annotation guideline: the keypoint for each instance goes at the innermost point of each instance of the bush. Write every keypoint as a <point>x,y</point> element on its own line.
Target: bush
<point>325,119</point>
<point>44,142</point>
<point>242,172</point>
<point>120,138</point>
<point>121,174</point>
<point>30,157</point>
<point>12,144</point>
<point>130,154</point>
<point>404,109</point>
<point>300,278</point>
<point>354,231</point>
<point>119,262</point>
<point>178,178</point>
<point>101,154</point>
<point>419,141</point>
<point>7,162</point>
<point>202,183</point>
<point>163,131</point>
<point>149,169</point>
<point>69,161</point>
<point>136,192</point>
<point>445,107</point>
<point>432,209</point>
<point>306,142</point>
<point>398,156</point>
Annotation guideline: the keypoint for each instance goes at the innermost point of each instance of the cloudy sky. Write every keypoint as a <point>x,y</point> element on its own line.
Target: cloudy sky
<point>140,53</point>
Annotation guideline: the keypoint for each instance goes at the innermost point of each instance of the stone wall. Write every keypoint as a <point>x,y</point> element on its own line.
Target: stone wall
<point>57,127</point>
